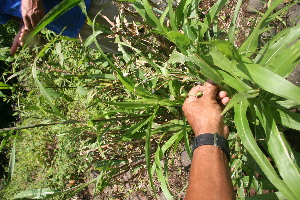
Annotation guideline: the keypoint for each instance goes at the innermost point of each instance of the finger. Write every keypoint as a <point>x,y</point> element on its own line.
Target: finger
<point>24,32</point>
<point>192,95</point>
<point>225,100</point>
<point>13,48</point>
<point>222,94</point>
<point>27,22</point>
<point>16,44</point>
<point>210,91</point>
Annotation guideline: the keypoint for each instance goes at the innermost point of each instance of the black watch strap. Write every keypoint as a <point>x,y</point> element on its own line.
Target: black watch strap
<point>212,139</point>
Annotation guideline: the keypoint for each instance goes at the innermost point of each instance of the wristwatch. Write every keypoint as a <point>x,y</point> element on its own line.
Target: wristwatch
<point>212,139</point>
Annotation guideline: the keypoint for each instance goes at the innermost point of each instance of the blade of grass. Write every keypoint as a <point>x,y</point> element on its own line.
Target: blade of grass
<point>43,90</point>
<point>172,16</point>
<point>211,15</point>
<point>159,27</point>
<point>148,151</point>
<point>231,32</point>
<point>237,98</point>
<point>251,44</point>
<point>233,82</point>
<point>283,64</point>
<point>158,157</point>
<point>280,150</point>
<point>12,161</point>
<point>267,80</point>
<point>287,118</point>
<point>250,144</point>
<point>277,45</point>
<point>180,10</point>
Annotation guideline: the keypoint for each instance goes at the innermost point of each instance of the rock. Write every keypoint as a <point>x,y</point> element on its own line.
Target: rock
<point>293,15</point>
<point>292,20</point>
<point>255,5</point>
<point>294,77</point>
<point>185,159</point>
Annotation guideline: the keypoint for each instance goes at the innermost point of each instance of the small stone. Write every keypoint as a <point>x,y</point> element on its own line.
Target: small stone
<point>294,77</point>
<point>255,5</point>
<point>293,15</point>
<point>185,159</point>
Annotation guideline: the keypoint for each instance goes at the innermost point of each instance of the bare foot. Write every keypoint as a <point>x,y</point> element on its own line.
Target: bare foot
<point>204,112</point>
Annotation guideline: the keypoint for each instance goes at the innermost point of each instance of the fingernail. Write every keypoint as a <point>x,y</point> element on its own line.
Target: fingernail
<point>211,82</point>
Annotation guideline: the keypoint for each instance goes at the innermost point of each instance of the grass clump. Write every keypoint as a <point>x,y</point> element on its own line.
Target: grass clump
<point>102,119</point>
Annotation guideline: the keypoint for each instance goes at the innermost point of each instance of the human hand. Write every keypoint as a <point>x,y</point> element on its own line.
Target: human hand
<point>32,13</point>
<point>204,113</point>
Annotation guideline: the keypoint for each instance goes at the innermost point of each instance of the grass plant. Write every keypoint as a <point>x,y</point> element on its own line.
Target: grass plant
<point>115,114</point>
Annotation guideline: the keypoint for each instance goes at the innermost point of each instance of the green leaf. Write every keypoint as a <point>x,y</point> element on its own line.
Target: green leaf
<point>135,128</point>
<point>148,15</point>
<point>36,193</point>
<point>289,56</point>
<point>231,32</point>
<point>225,64</point>
<point>288,104</point>
<point>226,48</point>
<point>280,150</point>
<point>180,10</point>
<point>250,144</point>
<point>148,149</point>
<point>178,38</point>
<point>206,69</point>
<point>4,86</point>
<point>12,160</point>
<point>271,82</point>
<point>237,98</point>
<point>287,118</point>
<point>277,45</point>
<point>43,90</point>
<point>131,104</point>
<point>172,16</point>
<point>158,157</point>
<point>234,82</point>
<point>211,15</point>
<point>251,44</point>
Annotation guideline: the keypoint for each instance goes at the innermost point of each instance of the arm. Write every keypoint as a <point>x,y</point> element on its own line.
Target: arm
<point>209,174</point>
<point>32,13</point>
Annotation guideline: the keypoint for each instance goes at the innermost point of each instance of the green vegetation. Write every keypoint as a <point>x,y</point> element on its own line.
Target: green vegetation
<point>82,110</point>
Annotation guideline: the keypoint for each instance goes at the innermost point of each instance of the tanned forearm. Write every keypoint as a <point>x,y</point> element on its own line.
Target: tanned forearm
<point>209,175</point>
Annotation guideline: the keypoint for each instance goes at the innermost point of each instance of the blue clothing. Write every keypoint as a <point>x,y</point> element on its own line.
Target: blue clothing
<point>70,22</point>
